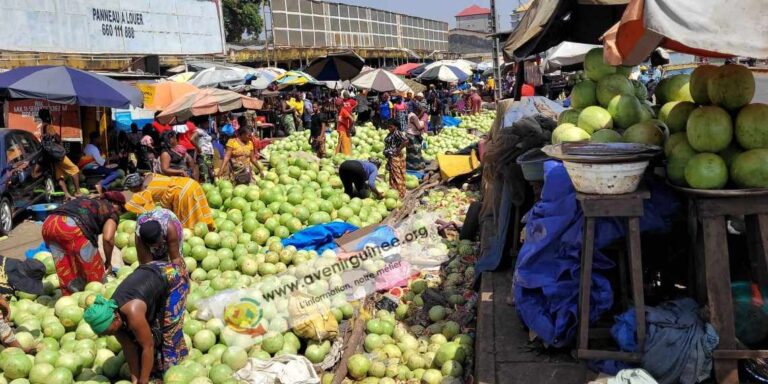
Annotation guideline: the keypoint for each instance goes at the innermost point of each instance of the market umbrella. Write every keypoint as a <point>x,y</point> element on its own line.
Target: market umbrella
<point>381,80</point>
<point>405,69</point>
<point>485,65</point>
<point>219,76</point>
<point>418,70</point>
<point>697,27</point>
<point>464,65</point>
<point>566,54</point>
<point>446,73</point>
<point>167,92</point>
<point>336,66</point>
<point>295,78</point>
<point>206,101</point>
<point>265,76</point>
<point>67,85</point>
<point>182,77</point>
<point>415,86</point>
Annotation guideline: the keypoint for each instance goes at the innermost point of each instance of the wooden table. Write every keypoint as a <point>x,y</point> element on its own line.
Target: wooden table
<point>707,215</point>
<point>629,206</point>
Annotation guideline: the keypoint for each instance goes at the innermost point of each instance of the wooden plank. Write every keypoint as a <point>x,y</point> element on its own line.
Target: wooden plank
<point>757,238</point>
<point>592,354</point>
<point>696,273</point>
<point>351,346</point>
<point>613,208</point>
<point>585,282</point>
<point>719,295</point>
<point>732,206</point>
<point>485,355</point>
<point>740,354</point>
<point>641,193</point>
<point>636,278</point>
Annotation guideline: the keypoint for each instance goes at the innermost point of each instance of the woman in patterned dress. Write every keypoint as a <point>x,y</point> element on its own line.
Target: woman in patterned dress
<point>241,157</point>
<point>394,144</point>
<point>146,310</point>
<point>71,232</point>
<point>182,195</point>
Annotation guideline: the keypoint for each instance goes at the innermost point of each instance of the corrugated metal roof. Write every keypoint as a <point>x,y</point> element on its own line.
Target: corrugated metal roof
<point>474,10</point>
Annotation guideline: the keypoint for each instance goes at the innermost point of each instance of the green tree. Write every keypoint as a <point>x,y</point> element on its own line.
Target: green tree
<point>242,17</point>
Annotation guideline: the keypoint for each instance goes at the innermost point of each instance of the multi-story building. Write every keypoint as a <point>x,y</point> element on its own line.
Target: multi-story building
<point>474,18</point>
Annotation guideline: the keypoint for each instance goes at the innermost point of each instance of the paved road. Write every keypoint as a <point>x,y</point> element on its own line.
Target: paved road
<point>761,93</point>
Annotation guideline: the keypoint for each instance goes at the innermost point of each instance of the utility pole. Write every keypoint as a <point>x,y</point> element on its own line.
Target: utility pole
<point>496,68</point>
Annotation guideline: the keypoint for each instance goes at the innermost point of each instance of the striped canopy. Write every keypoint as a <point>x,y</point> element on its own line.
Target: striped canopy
<point>446,73</point>
<point>464,65</point>
<point>206,101</point>
<point>381,80</point>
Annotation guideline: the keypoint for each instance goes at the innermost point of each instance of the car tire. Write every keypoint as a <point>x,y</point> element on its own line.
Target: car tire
<point>6,216</point>
<point>50,187</point>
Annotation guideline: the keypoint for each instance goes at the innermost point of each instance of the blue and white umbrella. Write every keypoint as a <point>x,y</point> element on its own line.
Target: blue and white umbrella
<point>265,76</point>
<point>67,85</point>
<point>446,73</point>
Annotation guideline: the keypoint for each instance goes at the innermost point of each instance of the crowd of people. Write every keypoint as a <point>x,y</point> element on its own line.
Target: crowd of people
<point>163,166</point>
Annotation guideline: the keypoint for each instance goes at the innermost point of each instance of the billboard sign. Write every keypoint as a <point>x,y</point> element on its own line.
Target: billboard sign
<point>131,27</point>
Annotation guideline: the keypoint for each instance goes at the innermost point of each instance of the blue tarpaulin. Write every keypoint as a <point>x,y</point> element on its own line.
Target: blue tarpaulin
<point>381,234</point>
<point>323,236</point>
<point>319,237</point>
<point>546,280</point>
<point>450,121</point>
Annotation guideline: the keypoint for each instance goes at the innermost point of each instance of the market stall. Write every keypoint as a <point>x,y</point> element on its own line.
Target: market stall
<point>687,152</point>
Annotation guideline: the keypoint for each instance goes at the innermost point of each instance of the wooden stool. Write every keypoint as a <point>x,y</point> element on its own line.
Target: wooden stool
<point>713,271</point>
<point>628,205</point>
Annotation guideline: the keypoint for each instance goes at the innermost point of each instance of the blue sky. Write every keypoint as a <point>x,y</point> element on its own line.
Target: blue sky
<point>443,10</point>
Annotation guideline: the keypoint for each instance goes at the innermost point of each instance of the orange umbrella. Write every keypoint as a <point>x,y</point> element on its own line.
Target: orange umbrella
<point>206,101</point>
<point>698,27</point>
<point>167,92</point>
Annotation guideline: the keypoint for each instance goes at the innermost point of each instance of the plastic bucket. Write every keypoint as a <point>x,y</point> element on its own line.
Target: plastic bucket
<point>606,179</point>
<point>532,163</point>
<point>41,211</point>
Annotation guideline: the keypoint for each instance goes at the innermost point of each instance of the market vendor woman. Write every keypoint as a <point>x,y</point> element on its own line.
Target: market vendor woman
<point>182,195</point>
<point>146,310</point>
<point>72,231</point>
<point>16,275</point>
<point>359,177</point>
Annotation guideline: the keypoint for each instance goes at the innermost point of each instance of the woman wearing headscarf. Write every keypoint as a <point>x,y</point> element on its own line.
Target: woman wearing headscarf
<point>394,144</point>
<point>182,195</point>
<point>146,311</point>
<point>71,232</point>
<point>241,157</point>
<point>174,160</point>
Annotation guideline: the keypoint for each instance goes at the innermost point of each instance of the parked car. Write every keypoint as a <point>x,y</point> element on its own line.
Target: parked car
<point>20,187</point>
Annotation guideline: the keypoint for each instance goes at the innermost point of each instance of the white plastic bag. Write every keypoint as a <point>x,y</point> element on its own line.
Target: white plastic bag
<point>285,369</point>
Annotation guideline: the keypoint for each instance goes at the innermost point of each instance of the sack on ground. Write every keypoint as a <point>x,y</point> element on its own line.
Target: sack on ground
<point>310,319</point>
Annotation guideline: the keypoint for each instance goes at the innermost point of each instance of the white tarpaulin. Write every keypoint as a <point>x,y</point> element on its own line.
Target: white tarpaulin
<point>188,27</point>
<point>698,27</point>
<point>565,54</point>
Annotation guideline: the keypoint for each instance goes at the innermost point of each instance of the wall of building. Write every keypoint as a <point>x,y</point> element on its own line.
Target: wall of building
<point>474,23</point>
<point>312,23</point>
